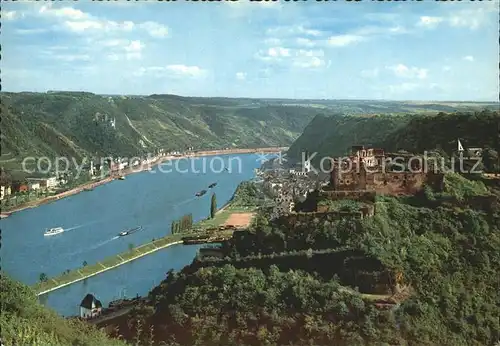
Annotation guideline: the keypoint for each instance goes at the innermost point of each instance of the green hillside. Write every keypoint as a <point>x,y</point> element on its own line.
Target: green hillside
<point>25,321</point>
<point>333,136</point>
<point>281,285</point>
<point>79,124</point>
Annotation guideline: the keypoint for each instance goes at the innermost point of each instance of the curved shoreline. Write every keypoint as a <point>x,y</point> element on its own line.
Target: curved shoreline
<point>109,268</point>
<point>92,185</point>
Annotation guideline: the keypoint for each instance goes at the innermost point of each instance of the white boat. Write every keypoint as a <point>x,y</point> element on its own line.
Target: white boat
<point>53,231</point>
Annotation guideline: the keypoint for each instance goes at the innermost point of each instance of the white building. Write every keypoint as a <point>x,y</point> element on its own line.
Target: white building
<point>90,307</point>
<point>4,191</point>
<point>46,183</point>
<point>307,166</point>
<point>51,182</point>
<point>34,186</point>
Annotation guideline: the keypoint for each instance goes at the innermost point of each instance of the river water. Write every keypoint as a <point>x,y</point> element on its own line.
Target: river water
<point>93,219</point>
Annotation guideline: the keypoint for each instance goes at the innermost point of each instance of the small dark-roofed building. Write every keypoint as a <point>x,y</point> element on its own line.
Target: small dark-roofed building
<point>90,307</point>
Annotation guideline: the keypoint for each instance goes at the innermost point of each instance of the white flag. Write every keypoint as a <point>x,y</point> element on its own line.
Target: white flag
<point>460,147</point>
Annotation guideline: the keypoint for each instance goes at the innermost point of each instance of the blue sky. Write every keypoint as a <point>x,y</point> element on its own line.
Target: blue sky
<point>334,50</point>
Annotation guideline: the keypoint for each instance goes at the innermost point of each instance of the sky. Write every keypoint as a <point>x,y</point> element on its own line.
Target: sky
<point>410,50</point>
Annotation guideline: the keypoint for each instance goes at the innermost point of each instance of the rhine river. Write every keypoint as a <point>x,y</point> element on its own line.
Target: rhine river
<point>92,220</point>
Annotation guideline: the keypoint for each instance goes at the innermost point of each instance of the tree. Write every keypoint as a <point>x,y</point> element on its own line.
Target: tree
<point>84,263</point>
<point>213,206</point>
<point>130,247</point>
<point>172,227</point>
<point>43,277</point>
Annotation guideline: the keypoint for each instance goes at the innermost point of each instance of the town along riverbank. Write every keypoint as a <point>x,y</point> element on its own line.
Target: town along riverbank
<point>93,184</point>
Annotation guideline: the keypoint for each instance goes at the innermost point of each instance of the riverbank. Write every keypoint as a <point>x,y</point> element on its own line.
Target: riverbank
<point>93,184</point>
<point>83,273</point>
<point>76,275</point>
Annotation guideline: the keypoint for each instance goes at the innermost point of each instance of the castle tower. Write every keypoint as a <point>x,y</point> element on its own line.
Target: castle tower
<point>307,163</point>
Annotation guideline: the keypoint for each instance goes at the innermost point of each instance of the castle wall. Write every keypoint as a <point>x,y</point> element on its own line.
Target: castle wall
<point>356,195</point>
<point>389,183</point>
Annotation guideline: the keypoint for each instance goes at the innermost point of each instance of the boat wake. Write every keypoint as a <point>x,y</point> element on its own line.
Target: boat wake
<point>82,225</point>
<point>96,246</point>
<point>184,202</point>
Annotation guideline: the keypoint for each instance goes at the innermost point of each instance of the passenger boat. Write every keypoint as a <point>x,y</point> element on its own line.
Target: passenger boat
<point>53,231</point>
<point>212,185</point>
<point>201,193</point>
<point>130,231</point>
<point>121,177</point>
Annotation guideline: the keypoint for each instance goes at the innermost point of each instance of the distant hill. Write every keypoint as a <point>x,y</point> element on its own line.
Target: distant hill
<point>333,136</point>
<point>83,124</point>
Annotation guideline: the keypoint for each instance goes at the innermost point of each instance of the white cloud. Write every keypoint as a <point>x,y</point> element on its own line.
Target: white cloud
<point>241,75</point>
<point>471,19</point>
<point>174,71</point>
<point>465,18</point>
<point>403,71</point>
<point>468,58</point>
<point>310,62</point>
<point>273,54</point>
<point>134,46</point>
<point>11,15</point>
<point>31,31</point>
<point>378,30</point>
<point>119,49</point>
<point>155,29</point>
<point>429,22</point>
<point>446,68</point>
<point>343,40</point>
<point>272,41</point>
<point>188,71</point>
<point>306,42</point>
<point>81,22</point>
<point>293,30</point>
<point>85,26</point>
<point>68,13</point>
<point>301,58</point>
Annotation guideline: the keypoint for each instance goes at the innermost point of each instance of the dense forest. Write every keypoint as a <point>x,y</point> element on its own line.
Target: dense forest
<point>294,285</point>
<point>333,136</point>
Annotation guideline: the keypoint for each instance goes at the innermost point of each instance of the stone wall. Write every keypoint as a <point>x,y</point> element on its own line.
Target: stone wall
<point>356,195</point>
<point>321,217</point>
<point>389,183</point>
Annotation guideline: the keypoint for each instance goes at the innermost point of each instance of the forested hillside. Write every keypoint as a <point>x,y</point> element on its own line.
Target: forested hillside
<point>25,321</point>
<point>278,285</point>
<point>79,124</point>
<point>333,136</point>
<point>475,129</point>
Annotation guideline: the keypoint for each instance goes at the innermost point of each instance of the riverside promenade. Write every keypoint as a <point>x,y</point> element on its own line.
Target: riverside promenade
<point>76,275</point>
<point>68,278</point>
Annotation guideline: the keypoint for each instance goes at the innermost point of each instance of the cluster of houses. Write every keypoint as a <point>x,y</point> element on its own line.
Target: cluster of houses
<point>31,184</point>
<point>289,186</point>
<point>119,164</point>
